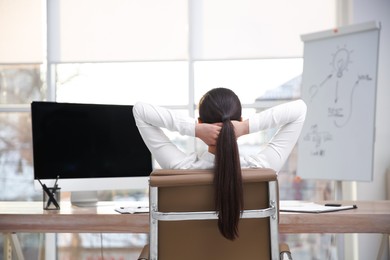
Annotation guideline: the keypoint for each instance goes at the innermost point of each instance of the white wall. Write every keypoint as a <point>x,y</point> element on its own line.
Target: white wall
<point>362,11</point>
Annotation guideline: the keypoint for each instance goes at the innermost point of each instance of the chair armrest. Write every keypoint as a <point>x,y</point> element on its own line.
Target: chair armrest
<point>285,253</point>
<point>144,253</point>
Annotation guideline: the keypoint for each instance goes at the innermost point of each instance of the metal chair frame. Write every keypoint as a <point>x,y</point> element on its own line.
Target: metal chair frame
<point>271,212</point>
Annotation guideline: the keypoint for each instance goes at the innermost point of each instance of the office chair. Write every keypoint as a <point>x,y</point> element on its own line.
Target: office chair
<point>183,223</point>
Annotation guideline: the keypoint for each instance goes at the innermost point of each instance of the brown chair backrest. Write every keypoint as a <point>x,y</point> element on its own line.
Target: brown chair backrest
<point>192,190</point>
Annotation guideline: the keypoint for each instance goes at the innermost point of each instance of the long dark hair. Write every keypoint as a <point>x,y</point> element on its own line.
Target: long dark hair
<point>223,105</point>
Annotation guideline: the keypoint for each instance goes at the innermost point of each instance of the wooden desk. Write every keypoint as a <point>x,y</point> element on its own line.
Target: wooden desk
<point>369,217</point>
<point>30,217</point>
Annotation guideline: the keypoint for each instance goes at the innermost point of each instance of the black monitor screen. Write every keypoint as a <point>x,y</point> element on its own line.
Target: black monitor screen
<point>87,141</point>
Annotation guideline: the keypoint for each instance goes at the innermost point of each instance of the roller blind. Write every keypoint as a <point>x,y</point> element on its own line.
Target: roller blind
<point>21,31</point>
<point>119,30</point>
<point>134,30</point>
<point>236,29</point>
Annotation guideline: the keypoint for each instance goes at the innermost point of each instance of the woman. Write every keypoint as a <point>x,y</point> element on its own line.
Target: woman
<point>219,125</point>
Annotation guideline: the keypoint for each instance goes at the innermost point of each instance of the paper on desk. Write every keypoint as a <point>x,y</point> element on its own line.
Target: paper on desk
<point>309,207</point>
<point>132,210</point>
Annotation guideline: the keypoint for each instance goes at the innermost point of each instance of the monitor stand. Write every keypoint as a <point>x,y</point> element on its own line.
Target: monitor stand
<point>84,198</point>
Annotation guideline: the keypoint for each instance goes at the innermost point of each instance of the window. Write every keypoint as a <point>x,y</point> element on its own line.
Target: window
<point>165,52</point>
<point>161,82</point>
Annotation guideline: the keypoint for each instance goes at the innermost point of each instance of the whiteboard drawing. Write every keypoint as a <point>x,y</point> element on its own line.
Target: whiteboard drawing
<point>343,101</point>
<point>341,60</point>
<point>318,138</point>
<point>339,88</point>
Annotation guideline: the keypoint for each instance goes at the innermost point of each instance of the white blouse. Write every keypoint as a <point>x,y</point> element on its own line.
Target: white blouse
<point>288,118</point>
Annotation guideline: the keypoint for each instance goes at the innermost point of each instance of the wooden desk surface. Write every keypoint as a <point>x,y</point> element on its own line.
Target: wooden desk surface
<point>30,217</point>
<point>369,217</point>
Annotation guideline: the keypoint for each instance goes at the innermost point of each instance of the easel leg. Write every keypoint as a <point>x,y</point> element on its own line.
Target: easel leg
<point>7,252</point>
<point>382,248</point>
<point>17,247</point>
<point>11,241</point>
<point>339,237</point>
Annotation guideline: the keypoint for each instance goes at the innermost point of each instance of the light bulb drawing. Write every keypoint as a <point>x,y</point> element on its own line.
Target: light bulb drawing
<point>341,60</point>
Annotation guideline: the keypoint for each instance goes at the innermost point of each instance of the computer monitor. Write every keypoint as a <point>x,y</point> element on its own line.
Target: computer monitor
<point>90,147</point>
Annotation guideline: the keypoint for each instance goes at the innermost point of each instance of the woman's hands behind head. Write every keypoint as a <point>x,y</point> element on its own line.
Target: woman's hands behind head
<point>209,133</point>
<point>241,128</point>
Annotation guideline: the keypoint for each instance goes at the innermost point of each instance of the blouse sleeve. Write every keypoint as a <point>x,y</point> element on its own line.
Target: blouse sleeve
<point>288,118</point>
<point>150,119</point>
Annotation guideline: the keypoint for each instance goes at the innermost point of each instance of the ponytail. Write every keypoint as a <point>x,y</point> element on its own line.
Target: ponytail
<point>223,105</point>
<point>228,182</point>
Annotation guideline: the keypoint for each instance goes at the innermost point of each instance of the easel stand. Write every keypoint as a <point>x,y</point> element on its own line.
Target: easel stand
<point>11,243</point>
<point>339,237</point>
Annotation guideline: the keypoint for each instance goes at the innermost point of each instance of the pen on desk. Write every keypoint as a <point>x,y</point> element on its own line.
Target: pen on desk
<point>47,191</point>
<point>333,205</point>
<point>54,190</point>
<point>40,182</point>
<point>55,184</point>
